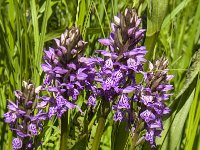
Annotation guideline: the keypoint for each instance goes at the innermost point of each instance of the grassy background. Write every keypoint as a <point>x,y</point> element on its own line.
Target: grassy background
<point>173,30</point>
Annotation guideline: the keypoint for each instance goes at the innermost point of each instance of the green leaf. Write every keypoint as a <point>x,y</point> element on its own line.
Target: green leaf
<point>173,14</point>
<point>87,19</point>
<point>39,53</point>
<point>81,13</point>
<point>155,16</point>
<point>191,75</point>
<point>53,34</point>
<point>193,120</point>
<point>106,137</point>
<point>119,136</point>
<point>35,31</point>
<point>176,123</point>
<point>81,143</point>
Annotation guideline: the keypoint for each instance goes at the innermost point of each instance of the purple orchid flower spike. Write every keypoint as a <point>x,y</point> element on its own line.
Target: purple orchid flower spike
<point>67,73</point>
<point>24,117</point>
<point>121,63</point>
<point>152,98</point>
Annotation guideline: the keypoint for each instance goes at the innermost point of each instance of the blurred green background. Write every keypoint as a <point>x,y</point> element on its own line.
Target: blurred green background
<point>172,29</point>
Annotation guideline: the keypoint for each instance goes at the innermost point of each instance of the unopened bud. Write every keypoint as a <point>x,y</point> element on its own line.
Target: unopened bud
<point>25,84</point>
<point>116,20</point>
<point>73,51</point>
<point>81,43</point>
<point>37,90</point>
<point>68,41</point>
<point>30,86</point>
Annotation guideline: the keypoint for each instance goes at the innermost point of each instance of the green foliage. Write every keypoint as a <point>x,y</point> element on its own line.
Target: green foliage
<point>173,30</point>
<point>155,15</point>
<point>119,136</point>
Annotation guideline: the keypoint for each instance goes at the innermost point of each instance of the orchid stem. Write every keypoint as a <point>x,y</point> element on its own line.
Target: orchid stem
<point>134,140</point>
<point>99,132</point>
<point>64,131</point>
<point>104,111</point>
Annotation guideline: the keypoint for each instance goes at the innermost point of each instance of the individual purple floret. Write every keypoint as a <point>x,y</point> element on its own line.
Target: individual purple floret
<point>24,118</point>
<point>16,143</point>
<point>66,76</point>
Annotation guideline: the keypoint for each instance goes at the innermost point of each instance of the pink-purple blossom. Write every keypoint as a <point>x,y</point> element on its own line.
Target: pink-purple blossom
<point>119,67</point>
<point>24,118</point>
<point>66,74</point>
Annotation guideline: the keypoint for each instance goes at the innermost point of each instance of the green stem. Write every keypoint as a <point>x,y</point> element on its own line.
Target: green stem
<point>134,140</point>
<point>104,110</point>
<point>64,131</point>
<point>99,132</point>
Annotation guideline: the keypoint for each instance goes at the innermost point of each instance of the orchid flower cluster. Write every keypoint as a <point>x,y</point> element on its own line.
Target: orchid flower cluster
<point>116,78</point>
<point>66,77</point>
<point>121,67</point>
<point>25,117</point>
<point>152,96</point>
<point>121,62</point>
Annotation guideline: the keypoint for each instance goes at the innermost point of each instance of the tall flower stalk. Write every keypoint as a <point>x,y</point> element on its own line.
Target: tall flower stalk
<point>66,77</point>
<point>152,97</point>
<point>26,118</point>
<point>140,103</point>
<point>118,68</point>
